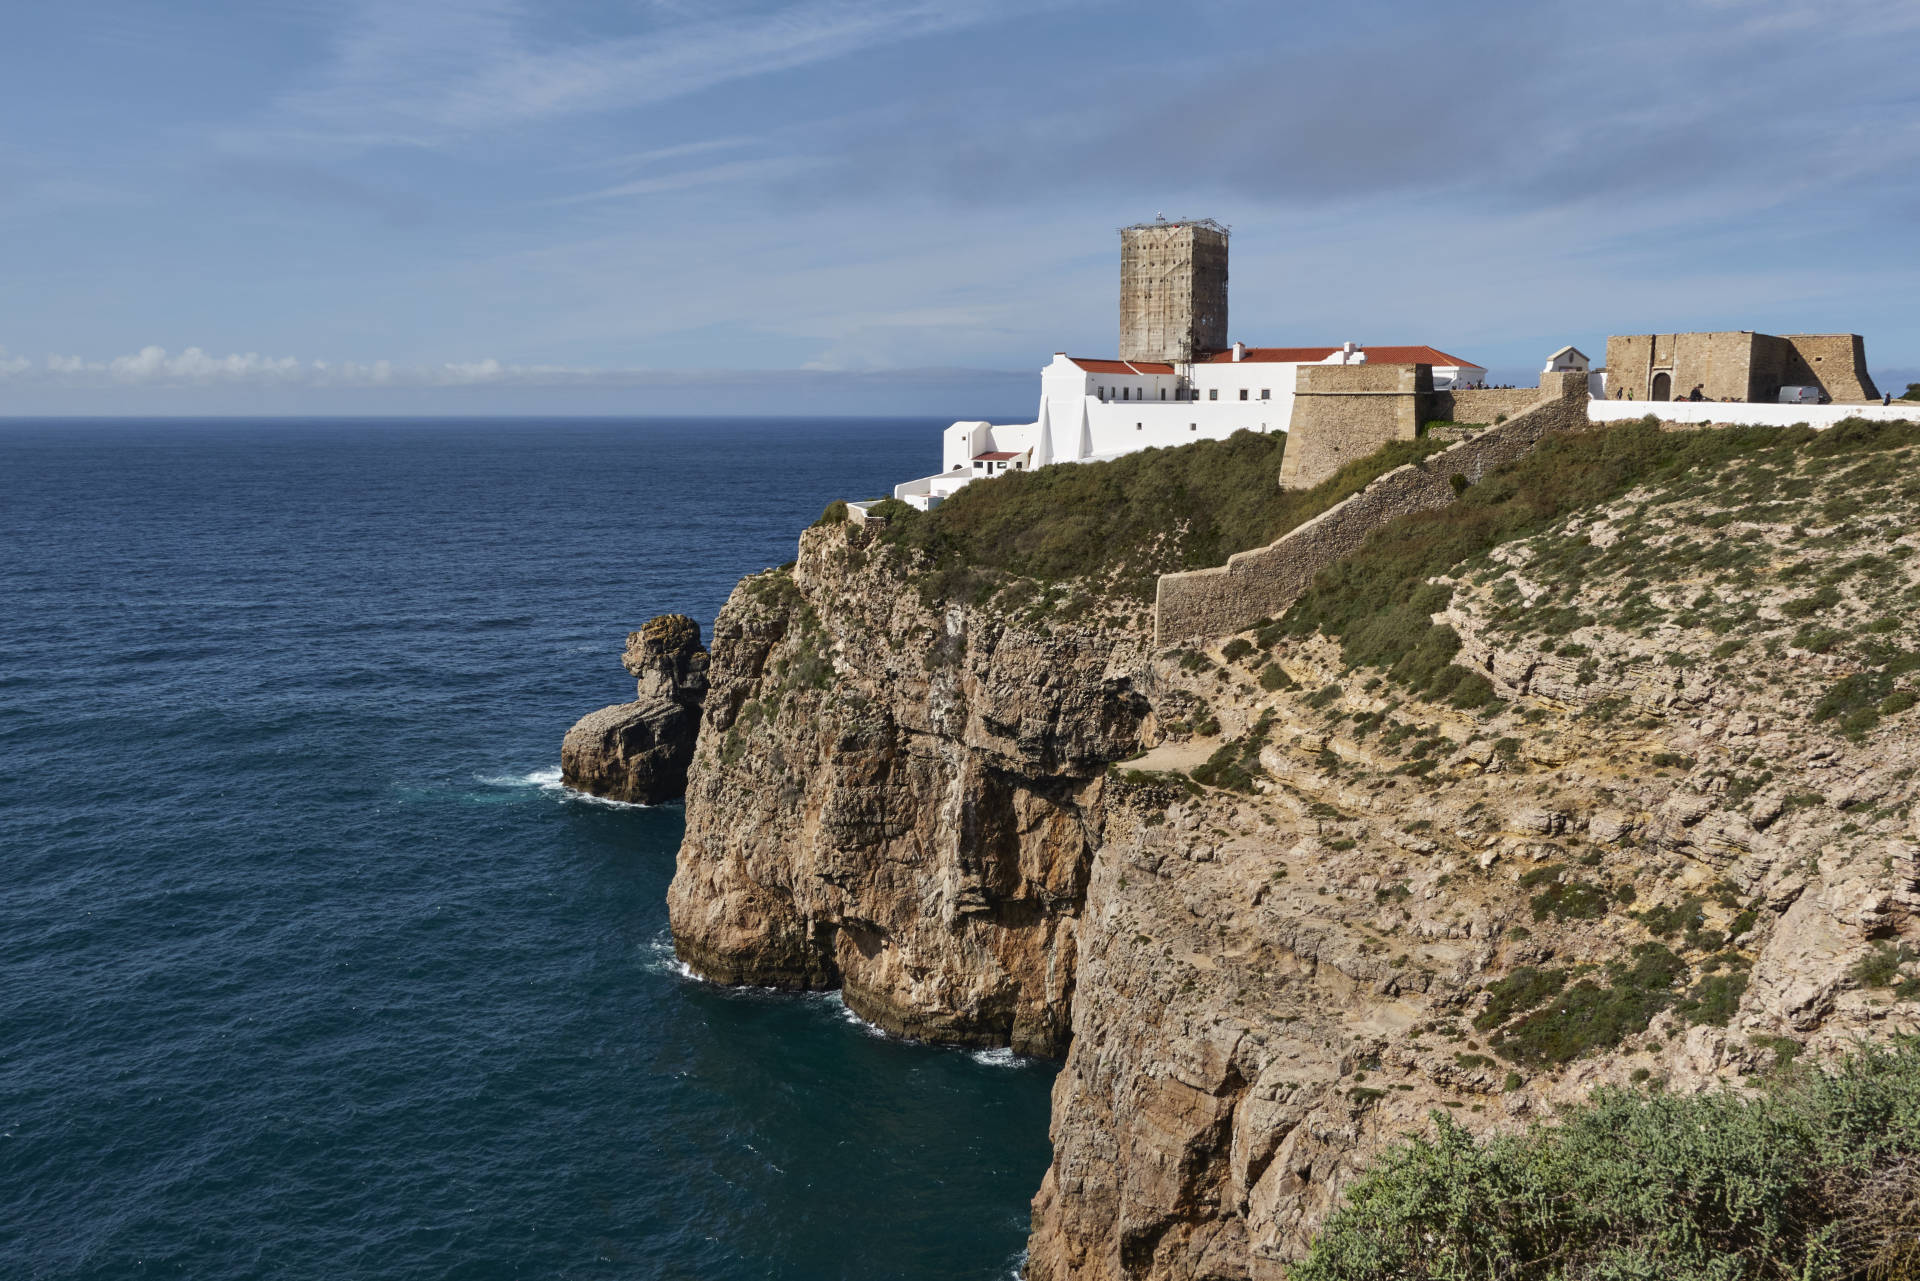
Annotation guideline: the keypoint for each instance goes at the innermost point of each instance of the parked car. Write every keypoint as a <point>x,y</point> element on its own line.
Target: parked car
<point>1802,396</point>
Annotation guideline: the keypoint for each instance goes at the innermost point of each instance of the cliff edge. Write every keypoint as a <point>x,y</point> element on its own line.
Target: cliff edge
<point>1604,774</point>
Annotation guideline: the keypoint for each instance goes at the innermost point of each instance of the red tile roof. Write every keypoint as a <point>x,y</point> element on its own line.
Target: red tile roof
<point>1314,355</point>
<point>998,456</point>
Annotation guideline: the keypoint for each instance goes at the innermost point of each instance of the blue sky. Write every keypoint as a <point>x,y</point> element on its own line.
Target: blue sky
<point>839,206</point>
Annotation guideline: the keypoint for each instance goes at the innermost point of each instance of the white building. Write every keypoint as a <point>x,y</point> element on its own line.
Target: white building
<point>1095,409</point>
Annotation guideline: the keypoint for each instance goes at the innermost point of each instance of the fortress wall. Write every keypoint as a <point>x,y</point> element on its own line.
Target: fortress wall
<point>1344,412</point>
<point>1722,363</point>
<point>1742,365</point>
<point>1205,604</point>
<point>1629,363</point>
<point>1481,405</point>
<point>1835,362</point>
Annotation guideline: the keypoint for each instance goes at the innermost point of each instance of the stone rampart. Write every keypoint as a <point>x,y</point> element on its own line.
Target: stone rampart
<point>1205,604</point>
<point>1482,404</point>
<point>1344,412</point>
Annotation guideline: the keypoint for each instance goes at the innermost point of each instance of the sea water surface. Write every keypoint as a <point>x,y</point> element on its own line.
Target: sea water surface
<point>308,968</point>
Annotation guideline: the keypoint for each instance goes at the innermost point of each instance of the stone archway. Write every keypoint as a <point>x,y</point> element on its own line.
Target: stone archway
<point>1662,386</point>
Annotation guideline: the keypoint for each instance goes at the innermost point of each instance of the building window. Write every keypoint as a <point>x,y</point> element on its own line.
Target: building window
<point>1163,393</point>
<point>1266,394</point>
<point>1243,393</point>
<point>1139,426</point>
<point>1213,393</point>
<point>1193,426</point>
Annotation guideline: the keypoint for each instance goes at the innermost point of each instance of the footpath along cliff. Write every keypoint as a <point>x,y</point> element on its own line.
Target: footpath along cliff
<point>1602,774</point>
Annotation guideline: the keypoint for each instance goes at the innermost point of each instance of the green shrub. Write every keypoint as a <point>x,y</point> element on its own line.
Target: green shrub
<point>1589,1017</point>
<point>1236,649</point>
<point>1813,1180</point>
<point>1818,603</point>
<point>1272,678</point>
<point>1378,602</point>
<point>1519,992</point>
<point>1570,901</point>
<point>835,514</point>
<point>1235,766</point>
<point>1146,514</point>
<point>1881,966</point>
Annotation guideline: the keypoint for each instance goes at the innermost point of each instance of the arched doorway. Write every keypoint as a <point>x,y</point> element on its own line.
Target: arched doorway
<point>1662,386</point>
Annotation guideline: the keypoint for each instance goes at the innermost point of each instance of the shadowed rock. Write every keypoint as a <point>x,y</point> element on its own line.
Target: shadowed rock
<point>639,751</point>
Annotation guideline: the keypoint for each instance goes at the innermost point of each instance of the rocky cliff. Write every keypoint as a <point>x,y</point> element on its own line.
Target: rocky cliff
<point>1652,824</point>
<point>900,799</point>
<point>638,752</point>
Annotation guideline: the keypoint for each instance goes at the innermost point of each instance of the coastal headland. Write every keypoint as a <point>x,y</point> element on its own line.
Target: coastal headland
<point>1599,773</point>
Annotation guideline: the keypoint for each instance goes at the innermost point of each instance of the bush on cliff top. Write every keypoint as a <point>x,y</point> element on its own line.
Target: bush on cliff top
<point>1818,1179</point>
<point>1377,602</point>
<point>1131,519</point>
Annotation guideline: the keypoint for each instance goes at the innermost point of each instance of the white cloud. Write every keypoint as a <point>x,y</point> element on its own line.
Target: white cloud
<point>421,72</point>
<point>734,171</point>
<point>154,366</point>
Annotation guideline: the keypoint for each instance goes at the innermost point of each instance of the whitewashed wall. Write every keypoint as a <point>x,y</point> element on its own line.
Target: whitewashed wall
<point>1747,414</point>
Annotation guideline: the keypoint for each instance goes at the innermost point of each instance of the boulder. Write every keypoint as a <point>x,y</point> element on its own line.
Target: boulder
<point>639,751</point>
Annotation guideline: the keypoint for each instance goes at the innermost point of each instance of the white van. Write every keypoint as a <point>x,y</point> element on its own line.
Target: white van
<point>1802,396</point>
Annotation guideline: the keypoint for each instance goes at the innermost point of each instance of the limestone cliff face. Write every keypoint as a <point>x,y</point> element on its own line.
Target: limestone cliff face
<point>639,751</point>
<point>898,800</point>
<point>1680,849</point>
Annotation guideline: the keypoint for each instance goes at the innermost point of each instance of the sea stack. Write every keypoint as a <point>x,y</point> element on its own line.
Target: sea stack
<point>639,751</point>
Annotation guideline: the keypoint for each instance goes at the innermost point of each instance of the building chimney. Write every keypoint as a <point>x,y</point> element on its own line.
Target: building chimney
<point>1239,351</point>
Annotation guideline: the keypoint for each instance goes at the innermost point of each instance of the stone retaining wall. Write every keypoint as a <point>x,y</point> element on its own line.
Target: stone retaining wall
<point>1205,604</point>
<point>1482,405</point>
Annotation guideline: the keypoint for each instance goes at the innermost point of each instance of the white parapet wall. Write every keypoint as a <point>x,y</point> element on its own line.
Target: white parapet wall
<point>1745,414</point>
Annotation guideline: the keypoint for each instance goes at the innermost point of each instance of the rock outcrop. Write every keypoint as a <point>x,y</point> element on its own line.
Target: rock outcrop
<point>898,800</point>
<point>639,751</point>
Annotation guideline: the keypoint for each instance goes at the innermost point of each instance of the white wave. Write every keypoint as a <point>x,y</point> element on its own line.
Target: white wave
<point>1001,1057</point>
<point>548,780</point>
<point>838,1004</point>
<point>665,961</point>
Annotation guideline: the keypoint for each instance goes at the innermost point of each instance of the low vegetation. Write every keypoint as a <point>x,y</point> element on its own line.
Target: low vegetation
<point>1816,1179</point>
<point>1379,602</point>
<point>1119,525</point>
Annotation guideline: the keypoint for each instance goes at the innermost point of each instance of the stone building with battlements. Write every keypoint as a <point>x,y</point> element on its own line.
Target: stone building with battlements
<point>1739,366</point>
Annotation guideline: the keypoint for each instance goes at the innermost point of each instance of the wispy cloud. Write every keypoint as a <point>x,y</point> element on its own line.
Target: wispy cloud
<point>771,169</point>
<point>155,366</point>
<point>423,72</point>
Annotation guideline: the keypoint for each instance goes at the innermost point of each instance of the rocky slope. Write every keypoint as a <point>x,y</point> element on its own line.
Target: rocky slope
<point>1675,845</point>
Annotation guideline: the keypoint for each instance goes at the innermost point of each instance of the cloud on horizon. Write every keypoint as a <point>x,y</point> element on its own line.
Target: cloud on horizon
<point>601,189</point>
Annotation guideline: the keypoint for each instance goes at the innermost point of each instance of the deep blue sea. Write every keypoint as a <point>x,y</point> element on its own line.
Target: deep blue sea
<point>307,966</point>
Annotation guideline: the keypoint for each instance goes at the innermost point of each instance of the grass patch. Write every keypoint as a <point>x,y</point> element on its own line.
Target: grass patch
<point>1127,521</point>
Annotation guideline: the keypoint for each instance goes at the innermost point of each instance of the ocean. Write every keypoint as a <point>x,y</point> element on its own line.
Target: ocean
<point>309,968</point>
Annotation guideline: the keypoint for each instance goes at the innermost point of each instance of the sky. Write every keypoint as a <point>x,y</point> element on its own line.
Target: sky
<point>848,207</point>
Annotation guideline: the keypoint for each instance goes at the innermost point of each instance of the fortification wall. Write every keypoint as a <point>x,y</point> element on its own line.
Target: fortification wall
<point>1629,363</point>
<point>1741,365</point>
<point>1344,412</point>
<point>1208,603</point>
<point>1481,405</point>
<point>1721,364</point>
<point>1837,363</point>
